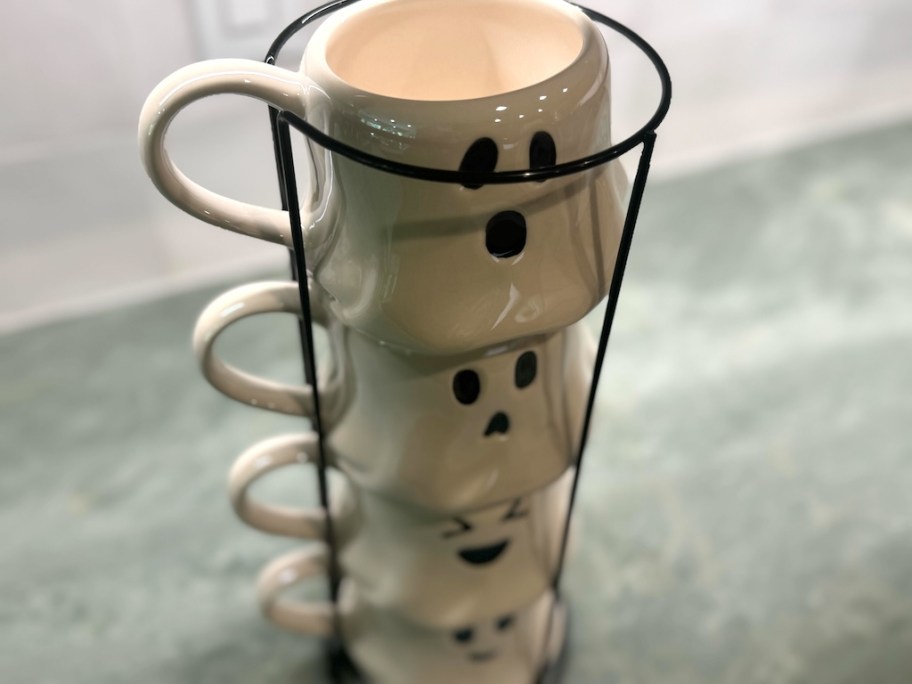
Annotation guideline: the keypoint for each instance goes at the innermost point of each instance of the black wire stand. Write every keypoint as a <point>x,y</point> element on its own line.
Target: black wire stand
<point>341,669</point>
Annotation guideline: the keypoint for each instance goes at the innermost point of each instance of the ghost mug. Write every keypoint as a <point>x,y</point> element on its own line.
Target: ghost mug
<point>437,569</point>
<point>443,433</point>
<point>478,86</point>
<point>392,649</point>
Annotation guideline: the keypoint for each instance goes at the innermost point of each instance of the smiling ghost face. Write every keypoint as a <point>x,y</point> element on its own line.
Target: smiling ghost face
<point>449,571</point>
<point>483,554</point>
<point>456,434</point>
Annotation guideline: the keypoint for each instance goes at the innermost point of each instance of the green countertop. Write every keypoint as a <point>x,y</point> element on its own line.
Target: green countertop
<point>746,507</point>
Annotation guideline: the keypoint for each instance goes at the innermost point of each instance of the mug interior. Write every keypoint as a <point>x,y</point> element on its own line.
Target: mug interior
<point>439,50</point>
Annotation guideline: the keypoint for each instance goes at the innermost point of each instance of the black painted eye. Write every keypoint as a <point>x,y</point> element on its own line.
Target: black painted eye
<point>466,386</point>
<point>464,636</point>
<point>515,510</point>
<point>526,368</point>
<point>505,235</point>
<point>542,151</point>
<point>464,526</point>
<point>505,623</point>
<point>481,157</point>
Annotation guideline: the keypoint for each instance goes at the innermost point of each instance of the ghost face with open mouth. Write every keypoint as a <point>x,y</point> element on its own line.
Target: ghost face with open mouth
<point>451,434</point>
<point>448,268</point>
<point>443,434</point>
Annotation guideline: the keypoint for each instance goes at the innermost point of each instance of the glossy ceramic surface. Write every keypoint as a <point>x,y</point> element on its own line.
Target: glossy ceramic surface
<point>454,397</point>
<point>446,434</point>
<point>435,268</point>
<point>436,570</point>
<point>510,649</point>
<point>458,433</point>
<point>250,300</point>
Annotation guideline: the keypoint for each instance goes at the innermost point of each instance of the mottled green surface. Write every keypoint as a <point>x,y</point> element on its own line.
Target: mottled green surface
<point>746,513</point>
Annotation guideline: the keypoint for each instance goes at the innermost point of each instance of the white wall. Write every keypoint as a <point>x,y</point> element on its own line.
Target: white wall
<point>84,228</point>
<point>768,73</point>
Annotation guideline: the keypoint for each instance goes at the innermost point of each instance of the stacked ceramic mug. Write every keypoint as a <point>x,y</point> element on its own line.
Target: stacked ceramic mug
<point>454,398</point>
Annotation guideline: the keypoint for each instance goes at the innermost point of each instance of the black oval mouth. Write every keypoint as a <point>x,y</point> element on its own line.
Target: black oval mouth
<point>482,555</point>
<point>505,235</point>
<point>499,423</point>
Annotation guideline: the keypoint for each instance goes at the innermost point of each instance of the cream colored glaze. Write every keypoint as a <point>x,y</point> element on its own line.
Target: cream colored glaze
<point>436,570</point>
<point>483,48</point>
<point>409,265</point>
<point>394,424</point>
<point>397,651</point>
<point>404,261</point>
<point>262,458</point>
<point>251,300</point>
<point>403,432</point>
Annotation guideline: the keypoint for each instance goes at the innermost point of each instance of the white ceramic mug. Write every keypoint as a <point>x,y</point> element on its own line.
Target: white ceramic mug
<point>447,434</point>
<point>509,649</point>
<point>436,570</point>
<point>478,85</point>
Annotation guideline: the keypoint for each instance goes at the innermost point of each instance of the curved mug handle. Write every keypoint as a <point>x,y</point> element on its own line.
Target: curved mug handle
<point>249,300</point>
<point>262,458</point>
<point>311,618</point>
<point>280,88</point>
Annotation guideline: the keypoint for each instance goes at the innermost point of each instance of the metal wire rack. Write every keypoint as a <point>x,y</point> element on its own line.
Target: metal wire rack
<point>340,667</point>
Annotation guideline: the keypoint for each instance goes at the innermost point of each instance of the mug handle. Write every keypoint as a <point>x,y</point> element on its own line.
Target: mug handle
<point>249,300</point>
<point>311,618</point>
<point>262,458</point>
<point>280,88</point>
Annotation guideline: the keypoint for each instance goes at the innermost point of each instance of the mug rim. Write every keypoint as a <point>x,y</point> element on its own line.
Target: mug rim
<point>645,135</point>
<point>315,67</point>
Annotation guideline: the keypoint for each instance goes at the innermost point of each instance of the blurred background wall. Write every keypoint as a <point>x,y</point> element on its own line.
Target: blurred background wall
<point>83,228</point>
